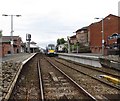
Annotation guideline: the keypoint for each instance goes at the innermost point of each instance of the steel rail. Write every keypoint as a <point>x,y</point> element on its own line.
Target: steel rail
<point>74,82</point>
<point>40,80</point>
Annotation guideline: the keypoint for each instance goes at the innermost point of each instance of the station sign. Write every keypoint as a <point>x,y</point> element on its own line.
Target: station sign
<point>114,36</point>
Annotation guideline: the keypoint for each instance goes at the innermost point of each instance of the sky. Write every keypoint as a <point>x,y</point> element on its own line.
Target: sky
<point>48,20</point>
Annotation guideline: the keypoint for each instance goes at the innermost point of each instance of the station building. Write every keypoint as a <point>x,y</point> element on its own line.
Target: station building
<point>82,36</point>
<point>91,36</point>
<point>111,25</point>
<point>73,40</point>
<point>33,47</point>
<point>5,45</point>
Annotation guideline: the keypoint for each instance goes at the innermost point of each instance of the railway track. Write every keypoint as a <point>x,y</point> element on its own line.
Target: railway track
<point>108,71</point>
<point>42,80</point>
<point>59,86</point>
<point>92,83</point>
<point>96,72</point>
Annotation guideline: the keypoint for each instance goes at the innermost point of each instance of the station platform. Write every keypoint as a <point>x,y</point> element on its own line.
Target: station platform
<point>89,55</point>
<point>95,60</point>
<point>93,55</point>
<point>20,57</point>
<point>83,58</point>
<point>92,59</point>
<point>10,67</point>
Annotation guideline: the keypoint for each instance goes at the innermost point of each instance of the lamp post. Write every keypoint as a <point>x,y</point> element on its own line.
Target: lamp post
<point>12,51</point>
<point>68,44</point>
<point>77,46</point>
<point>28,38</point>
<point>102,35</point>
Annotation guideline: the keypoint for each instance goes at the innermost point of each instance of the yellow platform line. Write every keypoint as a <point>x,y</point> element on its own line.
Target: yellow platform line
<point>111,79</point>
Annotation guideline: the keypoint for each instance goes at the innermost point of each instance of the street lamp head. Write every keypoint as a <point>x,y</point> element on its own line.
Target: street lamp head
<point>11,15</point>
<point>18,15</point>
<point>4,15</point>
<point>96,18</point>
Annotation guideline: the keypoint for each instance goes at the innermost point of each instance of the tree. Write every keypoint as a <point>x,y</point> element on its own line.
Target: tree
<point>0,33</point>
<point>60,41</point>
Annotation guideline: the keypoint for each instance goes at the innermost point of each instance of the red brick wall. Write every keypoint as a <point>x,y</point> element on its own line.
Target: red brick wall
<point>0,50</point>
<point>6,48</point>
<point>110,27</point>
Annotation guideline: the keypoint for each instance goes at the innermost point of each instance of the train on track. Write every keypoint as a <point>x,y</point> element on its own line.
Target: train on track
<point>51,50</point>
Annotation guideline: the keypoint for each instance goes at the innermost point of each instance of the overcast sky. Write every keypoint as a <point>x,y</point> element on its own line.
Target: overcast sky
<point>48,20</point>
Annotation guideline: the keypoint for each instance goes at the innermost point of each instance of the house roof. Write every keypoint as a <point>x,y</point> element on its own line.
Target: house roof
<point>33,42</point>
<point>8,38</point>
<point>73,37</point>
<point>110,15</point>
<point>83,28</point>
<point>33,46</point>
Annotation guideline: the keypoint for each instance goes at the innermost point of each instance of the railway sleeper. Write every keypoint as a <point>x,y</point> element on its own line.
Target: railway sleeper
<point>53,76</point>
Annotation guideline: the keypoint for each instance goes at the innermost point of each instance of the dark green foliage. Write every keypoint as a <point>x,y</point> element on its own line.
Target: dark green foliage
<point>60,41</point>
<point>0,33</point>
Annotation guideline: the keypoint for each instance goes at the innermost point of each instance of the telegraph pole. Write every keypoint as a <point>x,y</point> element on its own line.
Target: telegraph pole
<point>68,44</point>
<point>28,38</point>
<point>102,35</point>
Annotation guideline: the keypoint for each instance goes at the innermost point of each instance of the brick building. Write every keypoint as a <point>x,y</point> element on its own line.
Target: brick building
<point>111,25</point>
<point>82,36</point>
<point>73,39</point>
<point>5,45</point>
